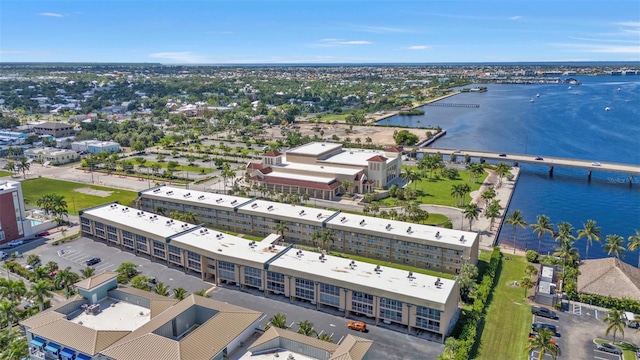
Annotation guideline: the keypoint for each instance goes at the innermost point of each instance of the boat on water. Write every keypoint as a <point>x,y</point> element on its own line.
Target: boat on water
<point>607,108</point>
<point>569,87</point>
<point>619,89</point>
<point>531,100</point>
<point>537,95</point>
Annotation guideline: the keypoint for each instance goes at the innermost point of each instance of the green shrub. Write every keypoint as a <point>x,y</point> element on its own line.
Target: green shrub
<point>532,256</point>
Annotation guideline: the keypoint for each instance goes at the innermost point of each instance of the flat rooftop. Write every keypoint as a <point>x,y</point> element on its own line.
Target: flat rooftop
<point>300,177</point>
<point>151,223</point>
<point>392,280</point>
<point>113,315</point>
<point>229,245</point>
<point>319,168</point>
<point>281,210</point>
<point>314,148</point>
<point>400,229</point>
<point>194,196</point>
<point>354,157</point>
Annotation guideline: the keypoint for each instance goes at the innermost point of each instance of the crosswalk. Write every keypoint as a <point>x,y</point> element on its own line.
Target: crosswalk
<point>80,258</point>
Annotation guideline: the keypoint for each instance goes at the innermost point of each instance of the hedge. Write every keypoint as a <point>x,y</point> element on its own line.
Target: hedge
<point>609,302</point>
<point>468,323</point>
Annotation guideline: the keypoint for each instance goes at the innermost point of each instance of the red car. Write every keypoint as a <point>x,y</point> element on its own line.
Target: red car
<point>43,233</point>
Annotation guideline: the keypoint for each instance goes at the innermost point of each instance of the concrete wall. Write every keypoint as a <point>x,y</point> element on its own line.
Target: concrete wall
<point>130,298</point>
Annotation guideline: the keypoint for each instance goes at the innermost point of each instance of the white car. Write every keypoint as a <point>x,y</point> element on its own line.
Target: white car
<point>595,164</point>
<point>15,243</point>
<point>28,267</point>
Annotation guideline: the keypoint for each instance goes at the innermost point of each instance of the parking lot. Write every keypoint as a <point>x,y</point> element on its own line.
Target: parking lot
<point>388,344</point>
<point>576,330</point>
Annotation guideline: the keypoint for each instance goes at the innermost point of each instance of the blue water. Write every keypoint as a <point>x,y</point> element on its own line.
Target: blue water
<point>561,122</point>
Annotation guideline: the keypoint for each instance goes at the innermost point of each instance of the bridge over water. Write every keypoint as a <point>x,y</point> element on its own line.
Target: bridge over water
<point>627,169</point>
<point>439,104</point>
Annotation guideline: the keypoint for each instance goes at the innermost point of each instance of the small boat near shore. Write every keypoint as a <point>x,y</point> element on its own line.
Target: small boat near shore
<point>531,100</point>
<point>607,108</point>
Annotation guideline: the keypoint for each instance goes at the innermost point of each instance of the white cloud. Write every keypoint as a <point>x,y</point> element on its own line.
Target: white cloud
<point>418,47</point>
<point>515,18</point>
<point>340,42</point>
<point>50,14</point>
<point>180,57</point>
<point>629,24</point>
<point>380,29</point>
<point>603,48</point>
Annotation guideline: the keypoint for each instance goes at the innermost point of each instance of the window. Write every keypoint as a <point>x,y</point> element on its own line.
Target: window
<point>86,228</point>
<point>112,237</point>
<point>1,234</point>
<point>175,258</point>
<point>127,242</point>
<point>305,289</point>
<point>428,318</point>
<point>391,309</point>
<point>253,277</point>
<point>85,221</point>
<point>98,225</point>
<point>159,253</point>
<point>227,270</point>
<point>158,245</point>
<point>174,250</point>
<point>330,294</point>
<point>141,246</point>
<point>362,302</point>
<point>111,229</point>
<point>275,282</point>
<point>127,234</point>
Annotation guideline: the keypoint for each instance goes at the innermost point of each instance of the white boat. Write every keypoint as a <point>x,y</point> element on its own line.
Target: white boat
<point>569,87</point>
<point>531,100</point>
<point>537,95</point>
<point>607,108</point>
<point>618,89</point>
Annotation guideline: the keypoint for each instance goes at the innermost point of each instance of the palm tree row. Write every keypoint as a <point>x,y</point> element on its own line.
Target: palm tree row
<point>23,165</point>
<point>459,192</point>
<point>53,204</point>
<point>305,327</point>
<point>188,217</point>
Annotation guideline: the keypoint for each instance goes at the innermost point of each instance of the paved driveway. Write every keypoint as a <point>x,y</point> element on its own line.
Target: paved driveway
<point>388,344</point>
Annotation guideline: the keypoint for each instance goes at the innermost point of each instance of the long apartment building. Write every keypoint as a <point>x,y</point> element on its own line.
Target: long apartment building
<point>422,246</point>
<point>417,302</point>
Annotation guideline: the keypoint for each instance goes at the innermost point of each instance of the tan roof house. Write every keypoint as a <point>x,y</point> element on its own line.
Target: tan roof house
<point>609,277</point>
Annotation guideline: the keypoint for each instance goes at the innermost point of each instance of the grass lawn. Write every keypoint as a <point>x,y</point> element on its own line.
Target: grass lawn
<point>628,350</point>
<point>4,173</point>
<point>508,320</point>
<point>332,117</point>
<point>437,191</point>
<point>34,189</point>
<point>392,265</point>
<point>196,169</point>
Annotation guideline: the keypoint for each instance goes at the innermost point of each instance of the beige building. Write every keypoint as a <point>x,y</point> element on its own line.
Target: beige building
<point>319,169</point>
<point>52,155</point>
<point>415,302</point>
<point>108,322</point>
<point>417,245</point>
<point>55,129</point>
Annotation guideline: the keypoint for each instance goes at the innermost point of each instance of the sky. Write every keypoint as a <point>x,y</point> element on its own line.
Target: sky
<point>330,31</point>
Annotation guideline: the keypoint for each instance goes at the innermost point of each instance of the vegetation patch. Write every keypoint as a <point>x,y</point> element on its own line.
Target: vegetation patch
<point>506,326</point>
<point>5,173</point>
<point>34,189</point>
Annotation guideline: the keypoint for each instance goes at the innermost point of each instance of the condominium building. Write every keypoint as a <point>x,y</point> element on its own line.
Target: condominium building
<point>319,169</point>
<point>415,301</point>
<point>109,322</point>
<point>13,221</point>
<point>55,129</point>
<point>95,146</point>
<point>417,245</point>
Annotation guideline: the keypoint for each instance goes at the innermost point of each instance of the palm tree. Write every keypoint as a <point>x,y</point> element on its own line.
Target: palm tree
<point>17,349</point>
<point>515,219</point>
<point>161,289</point>
<point>65,279</point>
<point>279,320</point>
<point>12,290</point>
<point>526,284</point>
<point>615,323</point>
<point>567,252</point>
<point>87,272</point>
<point>346,186</point>
<point>51,266</point>
<point>24,165</point>
<point>180,293</point>
<point>33,259</point>
<point>541,227</point>
<point>39,273</point>
<point>203,293</point>
<point>613,245</point>
<point>8,313</point>
<point>591,232</point>
<point>564,233</point>
<point>10,166</point>
<point>305,327</point>
<point>189,217</point>
<point>543,343</point>
<point>634,244</point>
<point>281,228</point>
<point>40,292</point>
<point>325,337</point>
<point>530,270</point>
<point>492,212</point>
<point>502,169</point>
<point>458,192</point>
<point>489,194</point>
<point>471,213</point>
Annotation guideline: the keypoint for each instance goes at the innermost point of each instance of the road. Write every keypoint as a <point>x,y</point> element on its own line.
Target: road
<point>388,344</point>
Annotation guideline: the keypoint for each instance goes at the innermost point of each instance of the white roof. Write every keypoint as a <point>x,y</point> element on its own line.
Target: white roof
<point>318,168</point>
<point>354,157</point>
<point>389,279</point>
<point>277,210</point>
<point>194,196</point>
<point>95,142</point>
<point>314,148</point>
<point>49,151</point>
<point>231,246</point>
<point>400,229</point>
<point>150,223</point>
<point>318,179</point>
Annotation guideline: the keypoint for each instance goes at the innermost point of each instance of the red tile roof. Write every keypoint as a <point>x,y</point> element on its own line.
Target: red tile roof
<point>393,149</point>
<point>272,153</point>
<point>378,158</point>
<point>301,183</point>
<point>255,166</point>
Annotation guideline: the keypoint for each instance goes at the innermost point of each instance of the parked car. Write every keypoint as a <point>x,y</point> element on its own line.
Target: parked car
<point>357,325</point>
<point>152,280</point>
<point>544,312</point>
<point>503,155</point>
<point>595,164</point>
<point>539,158</point>
<point>537,326</point>
<point>93,261</point>
<point>533,336</point>
<point>3,255</point>
<point>609,348</point>
<point>28,267</point>
<point>15,242</point>
<point>43,233</point>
